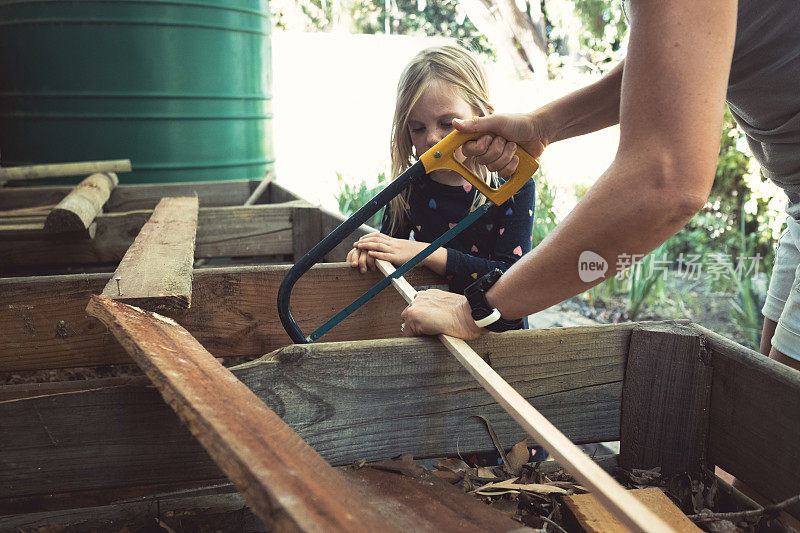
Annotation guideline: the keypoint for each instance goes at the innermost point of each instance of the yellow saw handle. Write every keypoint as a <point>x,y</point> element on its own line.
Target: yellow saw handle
<point>441,156</point>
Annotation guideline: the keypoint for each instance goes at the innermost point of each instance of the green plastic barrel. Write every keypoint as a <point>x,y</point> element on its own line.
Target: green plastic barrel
<point>181,88</point>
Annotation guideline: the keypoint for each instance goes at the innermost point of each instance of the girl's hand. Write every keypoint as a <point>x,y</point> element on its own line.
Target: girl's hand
<point>380,246</point>
<point>497,152</point>
<point>360,259</point>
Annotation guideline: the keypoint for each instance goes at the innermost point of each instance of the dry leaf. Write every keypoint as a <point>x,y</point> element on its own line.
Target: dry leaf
<point>504,487</point>
<point>518,456</point>
<point>452,464</point>
<point>447,475</point>
<point>493,493</point>
<point>484,472</point>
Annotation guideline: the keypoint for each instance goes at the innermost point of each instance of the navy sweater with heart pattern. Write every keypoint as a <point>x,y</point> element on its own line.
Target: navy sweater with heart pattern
<point>496,240</point>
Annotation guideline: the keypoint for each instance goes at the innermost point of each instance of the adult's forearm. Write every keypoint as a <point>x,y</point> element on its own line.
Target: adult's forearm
<point>588,109</point>
<point>626,212</point>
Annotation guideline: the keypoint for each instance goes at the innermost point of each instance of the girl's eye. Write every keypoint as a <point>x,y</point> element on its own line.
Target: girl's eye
<point>417,130</point>
<point>447,125</point>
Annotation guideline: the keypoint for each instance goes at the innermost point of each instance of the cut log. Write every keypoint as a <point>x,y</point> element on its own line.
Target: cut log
<point>590,516</point>
<point>629,511</point>
<point>287,484</point>
<point>64,169</point>
<point>77,211</point>
<point>156,271</point>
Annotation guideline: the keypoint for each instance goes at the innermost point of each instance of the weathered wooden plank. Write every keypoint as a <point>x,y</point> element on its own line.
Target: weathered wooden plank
<point>423,503</point>
<point>226,510</point>
<point>221,232</point>
<point>306,229</point>
<point>666,400</point>
<point>156,272</point>
<point>77,211</point>
<point>592,517</point>
<point>143,196</point>
<point>754,429</point>
<point>43,323</point>
<point>63,169</point>
<point>288,485</point>
<point>427,504</point>
<point>348,400</point>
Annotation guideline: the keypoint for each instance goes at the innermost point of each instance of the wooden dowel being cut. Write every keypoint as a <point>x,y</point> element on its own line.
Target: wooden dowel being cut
<point>625,507</point>
<point>63,169</point>
<point>76,212</point>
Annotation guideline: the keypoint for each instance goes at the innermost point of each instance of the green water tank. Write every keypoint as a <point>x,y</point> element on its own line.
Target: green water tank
<point>182,89</point>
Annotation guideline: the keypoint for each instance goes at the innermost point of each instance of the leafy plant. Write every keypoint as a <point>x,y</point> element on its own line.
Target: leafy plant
<point>646,281</point>
<point>544,216</point>
<point>746,305</point>
<point>352,196</point>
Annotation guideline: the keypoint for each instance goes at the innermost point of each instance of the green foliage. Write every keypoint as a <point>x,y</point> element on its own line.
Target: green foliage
<point>643,283</point>
<point>352,197</point>
<point>544,216</point>
<point>747,303</point>
<point>646,283</point>
<point>604,30</point>
<point>407,17</point>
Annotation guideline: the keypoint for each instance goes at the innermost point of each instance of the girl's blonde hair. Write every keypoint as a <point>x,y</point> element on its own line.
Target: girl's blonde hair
<point>456,67</point>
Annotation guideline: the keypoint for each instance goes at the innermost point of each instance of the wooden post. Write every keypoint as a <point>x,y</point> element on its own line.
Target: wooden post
<point>625,507</point>
<point>665,400</point>
<point>76,212</point>
<point>156,272</point>
<point>283,479</point>
<point>63,169</point>
<point>306,229</point>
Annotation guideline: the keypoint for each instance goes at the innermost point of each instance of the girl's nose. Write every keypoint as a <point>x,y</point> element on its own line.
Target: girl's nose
<point>433,138</point>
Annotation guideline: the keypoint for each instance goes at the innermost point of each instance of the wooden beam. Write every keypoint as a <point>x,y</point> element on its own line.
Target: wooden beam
<point>156,272</point>
<point>43,323</point>
<point>251,200</point>
<point>419,503</point>
<point>288,485</point>
<point>591,517</point>
<point>221,232</point>
<point>621,504</point>
<point>77,211</point>
<point>306,229</point>
<point>349,400</point>
<point>63,169</point>
<point>146,196</point>
<point>666,400</point>
<point>754,429</point>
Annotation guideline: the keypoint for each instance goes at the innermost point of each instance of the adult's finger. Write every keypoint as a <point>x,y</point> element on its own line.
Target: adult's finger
<point>489,123</point>
<point>508,170</point>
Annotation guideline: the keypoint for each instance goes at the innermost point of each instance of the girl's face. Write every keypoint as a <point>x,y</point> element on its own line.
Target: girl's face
<point>431,118</point>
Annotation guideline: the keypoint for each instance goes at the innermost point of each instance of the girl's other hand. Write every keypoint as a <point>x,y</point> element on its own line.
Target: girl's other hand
<point>360,259</point>
<point>380,246</point>
<point>493,149</point>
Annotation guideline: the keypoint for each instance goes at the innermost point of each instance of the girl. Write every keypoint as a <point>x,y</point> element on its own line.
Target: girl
<point>440,84</point>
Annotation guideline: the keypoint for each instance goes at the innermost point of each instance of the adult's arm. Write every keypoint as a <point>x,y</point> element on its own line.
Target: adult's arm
<point>671,108</point>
